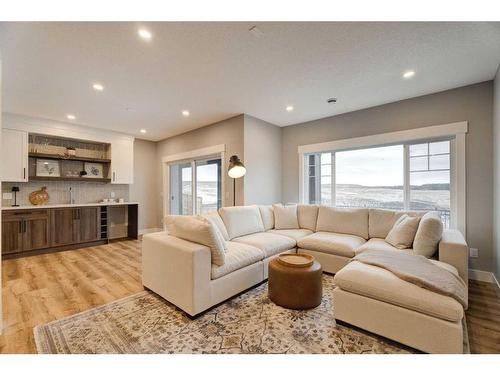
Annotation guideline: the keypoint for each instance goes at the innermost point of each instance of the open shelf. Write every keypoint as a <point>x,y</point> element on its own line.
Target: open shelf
<point>75,158</point>
<point>62,178</point>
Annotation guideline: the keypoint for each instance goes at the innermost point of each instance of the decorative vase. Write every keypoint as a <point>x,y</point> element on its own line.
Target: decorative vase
<point>39,197</point>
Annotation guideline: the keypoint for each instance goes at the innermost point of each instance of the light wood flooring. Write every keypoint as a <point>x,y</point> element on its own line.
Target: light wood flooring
<point>42,288</point>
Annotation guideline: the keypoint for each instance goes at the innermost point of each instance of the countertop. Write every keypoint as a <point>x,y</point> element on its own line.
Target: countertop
<point>32,207</point>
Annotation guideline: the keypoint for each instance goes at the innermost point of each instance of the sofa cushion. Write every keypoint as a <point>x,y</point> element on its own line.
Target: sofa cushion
<point>238,255</point>
<point>380,221</point>
<point>199,230</point>
<point>285,217</point>
<point>428,234</point>
<point>379,244</point>
<point>343,220</point>
<point>307,215</point>
<point>241,220</point>
<point>215,219</point>
<point>267,215</point>
<point>403,232</point>
<point>381,284</point>
<point>332,243</point>
<point>296,234</point>
<point>269,243</point>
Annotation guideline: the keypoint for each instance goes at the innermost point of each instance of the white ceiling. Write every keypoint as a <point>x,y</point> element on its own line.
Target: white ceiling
<point>218,70</point>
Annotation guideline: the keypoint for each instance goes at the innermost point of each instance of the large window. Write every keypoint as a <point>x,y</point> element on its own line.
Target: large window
<point>412,176</point>
<point>195,187</point>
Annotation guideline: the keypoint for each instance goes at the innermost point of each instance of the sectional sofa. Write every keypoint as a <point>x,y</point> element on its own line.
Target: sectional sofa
<point>183,272</point>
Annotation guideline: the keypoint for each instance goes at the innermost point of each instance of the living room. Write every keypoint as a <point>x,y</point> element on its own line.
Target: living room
<point>249,186</point>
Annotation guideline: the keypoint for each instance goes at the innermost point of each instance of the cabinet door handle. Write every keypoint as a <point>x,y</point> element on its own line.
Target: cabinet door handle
<point>114,176</point>
<point>21,226</point>
<point>24,173</point>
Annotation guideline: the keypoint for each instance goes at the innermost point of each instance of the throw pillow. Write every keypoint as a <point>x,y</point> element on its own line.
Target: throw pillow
<point>199,230</point>
<point>285,217</point>
<point>428,234</point>
<point>403,232</point>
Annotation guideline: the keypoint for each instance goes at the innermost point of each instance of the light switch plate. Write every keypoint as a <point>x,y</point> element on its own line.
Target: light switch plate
<point>473,252</point>
<point>7,196</point>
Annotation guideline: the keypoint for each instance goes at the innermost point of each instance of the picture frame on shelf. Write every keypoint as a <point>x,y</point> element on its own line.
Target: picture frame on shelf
<point>48,168</point>
<point>94,170</point>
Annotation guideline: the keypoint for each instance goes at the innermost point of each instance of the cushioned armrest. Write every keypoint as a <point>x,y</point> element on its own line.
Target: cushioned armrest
<point>177,270</point>
<point>453,250</point>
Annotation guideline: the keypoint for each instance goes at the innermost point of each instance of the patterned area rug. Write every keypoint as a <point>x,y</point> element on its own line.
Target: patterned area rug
<point>249,323</point>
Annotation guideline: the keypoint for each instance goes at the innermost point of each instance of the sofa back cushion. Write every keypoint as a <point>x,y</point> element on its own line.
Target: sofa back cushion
<point>343,220</point>
<point>285,217</point>
<point>200,230</point>
<point>216,220</point>
<point>428,234</point>
<point>241,220</point>
<point>267,215</point>
<point>381,221</point>
<point>308,216</point>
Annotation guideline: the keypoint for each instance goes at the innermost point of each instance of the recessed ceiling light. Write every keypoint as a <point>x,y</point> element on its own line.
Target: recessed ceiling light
<point>289,108</point>
<point>408,74</point>
<point>70,117</point>
<point>144,34</point>
<point>185,113</point>
<point>98,87</point>
<point>143,131</point>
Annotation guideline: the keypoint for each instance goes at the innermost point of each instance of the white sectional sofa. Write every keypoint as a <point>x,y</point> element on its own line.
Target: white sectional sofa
<point>182,271</point>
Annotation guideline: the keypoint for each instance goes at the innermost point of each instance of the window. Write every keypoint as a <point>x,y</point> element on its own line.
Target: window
<point>407,176</point>
<point>195,187</point>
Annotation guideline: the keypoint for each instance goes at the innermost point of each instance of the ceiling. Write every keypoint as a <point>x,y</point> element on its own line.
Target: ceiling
<point>218,70</point>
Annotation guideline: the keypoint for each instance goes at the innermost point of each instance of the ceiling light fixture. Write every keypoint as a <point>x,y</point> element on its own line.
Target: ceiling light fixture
<point>98,87</point>
<point>70,117</point>
<point>144,34</point>
<point>289,108</point>
<point>143,131</point>
<point>185,113</point>
<point>408,74</point>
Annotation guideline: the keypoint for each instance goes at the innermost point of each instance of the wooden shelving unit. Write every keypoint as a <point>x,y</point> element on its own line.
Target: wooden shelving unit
<point>63,178</point>
<point>59,157</point>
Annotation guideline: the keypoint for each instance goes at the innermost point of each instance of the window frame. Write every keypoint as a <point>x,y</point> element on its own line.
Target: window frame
<point>454,132</point>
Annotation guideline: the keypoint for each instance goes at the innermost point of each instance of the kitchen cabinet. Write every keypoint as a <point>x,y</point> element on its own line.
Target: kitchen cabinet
<point>25,231</point>
<point>122,161</point>
<point>14,155</point>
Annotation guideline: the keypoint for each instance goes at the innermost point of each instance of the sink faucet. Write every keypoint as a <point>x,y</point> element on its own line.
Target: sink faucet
<point>71,199</point>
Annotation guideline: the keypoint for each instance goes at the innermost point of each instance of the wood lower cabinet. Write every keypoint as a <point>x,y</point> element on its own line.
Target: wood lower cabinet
<point>75,225</point>
<point>25,231</point>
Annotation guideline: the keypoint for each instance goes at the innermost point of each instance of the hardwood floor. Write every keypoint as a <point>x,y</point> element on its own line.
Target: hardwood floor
<point>43,288</point>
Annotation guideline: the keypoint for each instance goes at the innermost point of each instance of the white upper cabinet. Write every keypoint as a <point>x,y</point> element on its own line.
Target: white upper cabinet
<point>14,155</point>
<point>122,161</point>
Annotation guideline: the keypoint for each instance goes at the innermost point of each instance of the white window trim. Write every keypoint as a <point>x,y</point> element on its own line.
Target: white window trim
<point>201,153</point>
<point>457,130</point>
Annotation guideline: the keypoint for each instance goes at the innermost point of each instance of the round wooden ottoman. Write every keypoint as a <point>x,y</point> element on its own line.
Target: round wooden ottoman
<point>295,281</point>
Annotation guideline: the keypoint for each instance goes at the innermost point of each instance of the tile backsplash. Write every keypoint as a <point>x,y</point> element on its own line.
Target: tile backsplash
<point>83,192</point>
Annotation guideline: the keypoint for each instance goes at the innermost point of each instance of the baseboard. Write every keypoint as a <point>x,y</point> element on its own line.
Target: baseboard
<point>485,276</point>
<point>149,230</point>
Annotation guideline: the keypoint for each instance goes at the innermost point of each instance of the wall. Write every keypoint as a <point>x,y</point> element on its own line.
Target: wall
<point>145,183</point>
<point>228,132</point>
<point>262,159</point>
<point>470,103</point>
<point>496,173</point>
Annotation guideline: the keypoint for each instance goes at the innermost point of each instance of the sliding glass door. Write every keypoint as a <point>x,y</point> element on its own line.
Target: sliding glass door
<point>195,186</point>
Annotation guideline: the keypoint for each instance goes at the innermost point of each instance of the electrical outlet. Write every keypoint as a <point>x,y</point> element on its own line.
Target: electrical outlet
<point>7,196</point>
<point>473,252</point>
<point>112,194</point>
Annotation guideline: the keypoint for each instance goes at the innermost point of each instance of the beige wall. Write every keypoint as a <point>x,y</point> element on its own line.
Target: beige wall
<point>228,132</point>
<point>263,161</point>
<point>145,183</point>
<point>471,103</point>
<point>496,173</point>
